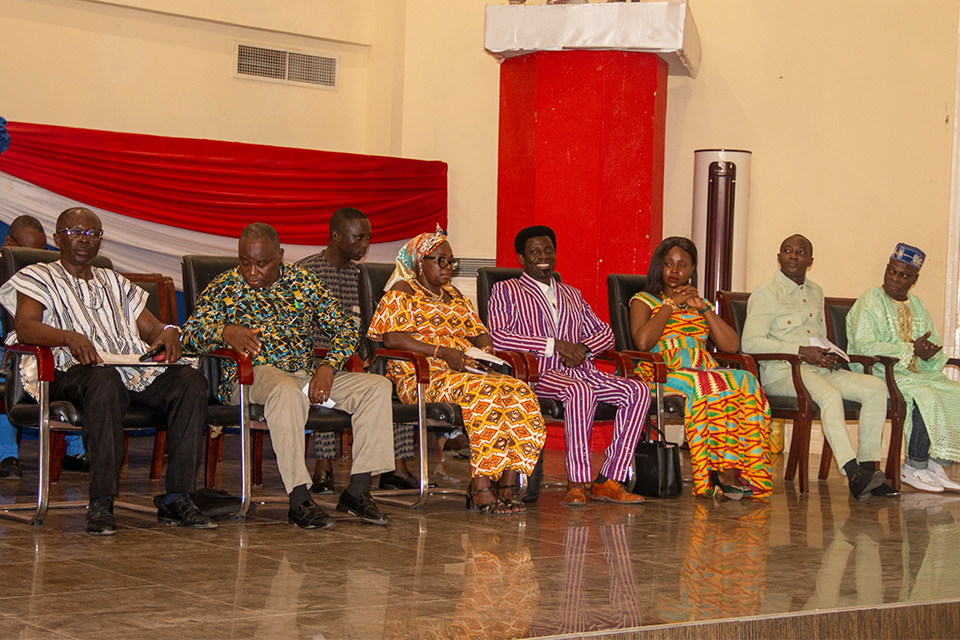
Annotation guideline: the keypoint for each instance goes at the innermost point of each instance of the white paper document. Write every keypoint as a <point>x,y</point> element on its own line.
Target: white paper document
<point>329,404</point>
<point>823,343</point>
<point>480,354</point>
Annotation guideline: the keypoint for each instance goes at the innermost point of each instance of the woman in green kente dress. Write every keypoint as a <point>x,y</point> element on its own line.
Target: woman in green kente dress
<point>727,415</point>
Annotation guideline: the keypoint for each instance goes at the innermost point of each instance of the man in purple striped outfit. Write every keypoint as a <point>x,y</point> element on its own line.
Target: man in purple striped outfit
<point>536,314</point>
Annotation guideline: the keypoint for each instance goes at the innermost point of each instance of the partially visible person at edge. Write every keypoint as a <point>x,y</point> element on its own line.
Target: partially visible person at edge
<point>336,265</point>
<point>421,311</point>
<point>536,314</point>
<point>81,311</point>
<point>727,416</point>
<point>783,314</point>
<point>26,231</point>
<point>890,321</point>
<point>268,310</point>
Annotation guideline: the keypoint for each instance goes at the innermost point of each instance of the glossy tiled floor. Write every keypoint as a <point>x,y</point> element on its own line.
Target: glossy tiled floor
<point>447,573</point>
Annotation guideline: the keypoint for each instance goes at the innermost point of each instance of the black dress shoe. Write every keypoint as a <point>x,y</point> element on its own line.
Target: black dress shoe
<point>363,507</point>
<point>322,484</point>
<point>76,463</point>
<point>182,512</point>
<point>100,520</point>
<point>394,481</point>
<point>10,469</point>
<point>885,491</point>
<point>863,482</point>
<point>307,515</point>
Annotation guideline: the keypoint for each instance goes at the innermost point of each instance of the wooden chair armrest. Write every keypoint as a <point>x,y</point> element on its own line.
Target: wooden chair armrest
<point>624,363</point>
<point>242,360</point>
<point>532,368</point>
<point>792,358</point>
<point>867,361</point>
<point>421,367</point>
<point>897,401</point>
<point>743,361</point>
<point>516,361</point>
<point>659,366</point>
<point>805,402</point>
<point>354,363</point>
<point>953,362</point>
<point>44,356</point>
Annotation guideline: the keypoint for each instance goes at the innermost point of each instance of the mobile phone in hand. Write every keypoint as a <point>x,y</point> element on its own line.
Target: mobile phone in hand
<point>148,356</point>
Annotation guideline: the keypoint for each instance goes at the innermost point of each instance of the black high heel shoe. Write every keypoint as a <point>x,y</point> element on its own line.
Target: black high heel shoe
<point>515,506</point>
<point>729,491</point>
<point>488,508</point>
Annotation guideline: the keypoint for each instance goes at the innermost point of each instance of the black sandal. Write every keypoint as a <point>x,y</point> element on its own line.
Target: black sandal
<point>515,506</point>
<point>488,508</point>
<point>729,492</point>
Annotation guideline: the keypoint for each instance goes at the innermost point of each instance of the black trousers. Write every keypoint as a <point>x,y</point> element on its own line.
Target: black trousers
<point>180,392</point>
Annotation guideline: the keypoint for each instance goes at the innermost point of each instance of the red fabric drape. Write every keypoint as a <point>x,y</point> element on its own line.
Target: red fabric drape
<point>219,187</point>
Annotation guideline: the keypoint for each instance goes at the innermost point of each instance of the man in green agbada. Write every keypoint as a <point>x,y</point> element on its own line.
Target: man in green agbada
<point>891,321</point>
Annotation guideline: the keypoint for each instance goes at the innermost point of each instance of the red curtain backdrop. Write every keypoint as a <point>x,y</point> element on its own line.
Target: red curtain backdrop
<point>220,187</point>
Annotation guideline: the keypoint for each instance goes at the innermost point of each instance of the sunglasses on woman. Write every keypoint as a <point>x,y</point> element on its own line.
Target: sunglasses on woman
<point>443,263</point>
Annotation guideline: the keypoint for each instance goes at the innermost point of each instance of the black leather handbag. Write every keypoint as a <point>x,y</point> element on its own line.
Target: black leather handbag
<point>657,466</point>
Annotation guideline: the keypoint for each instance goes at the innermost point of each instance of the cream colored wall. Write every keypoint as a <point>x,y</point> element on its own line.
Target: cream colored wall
<point>847,107</point>
<point>450,113</point>
<point>95,65</point>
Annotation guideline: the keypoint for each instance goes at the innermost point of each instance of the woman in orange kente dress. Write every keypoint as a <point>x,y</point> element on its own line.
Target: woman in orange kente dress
<point>421,311</point>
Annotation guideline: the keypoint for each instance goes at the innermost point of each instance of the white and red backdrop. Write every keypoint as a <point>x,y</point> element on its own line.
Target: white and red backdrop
<point>160,198</point>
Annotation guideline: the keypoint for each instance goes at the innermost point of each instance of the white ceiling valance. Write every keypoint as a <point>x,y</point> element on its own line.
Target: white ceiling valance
<point>664,28</point>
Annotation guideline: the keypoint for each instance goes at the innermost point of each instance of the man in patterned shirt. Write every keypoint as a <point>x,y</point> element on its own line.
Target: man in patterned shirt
<point>83,313</point>
<point>337,267</point>
<point>268,310</point>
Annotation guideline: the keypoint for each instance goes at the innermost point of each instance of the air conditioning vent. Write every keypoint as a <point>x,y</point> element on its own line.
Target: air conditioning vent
<point>468,266</point>
<point>289,67</point>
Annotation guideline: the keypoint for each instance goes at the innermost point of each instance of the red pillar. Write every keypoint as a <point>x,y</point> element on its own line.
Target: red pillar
<point>581,150</point>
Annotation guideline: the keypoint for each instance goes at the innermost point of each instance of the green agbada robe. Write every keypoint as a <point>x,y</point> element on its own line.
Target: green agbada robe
<point>873,328</point>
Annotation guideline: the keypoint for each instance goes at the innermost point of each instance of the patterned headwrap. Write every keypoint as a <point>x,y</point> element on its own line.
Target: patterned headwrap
<point>411,255</point>
<point>909,255</point>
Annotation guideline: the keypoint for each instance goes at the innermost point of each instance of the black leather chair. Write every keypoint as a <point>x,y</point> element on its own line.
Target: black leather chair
<point>198,272</point>
<point>162,303</point>
<point>620,290</point>
<point>800,409</point>
<point>52,417</point>
<point>837,310</point>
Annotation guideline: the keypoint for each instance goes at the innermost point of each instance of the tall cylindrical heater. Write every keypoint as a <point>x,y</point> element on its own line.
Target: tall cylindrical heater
<point>721,195</point>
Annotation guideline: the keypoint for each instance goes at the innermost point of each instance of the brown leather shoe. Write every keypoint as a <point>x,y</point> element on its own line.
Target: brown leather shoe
<point>613,491</point>
<point>576,495</point>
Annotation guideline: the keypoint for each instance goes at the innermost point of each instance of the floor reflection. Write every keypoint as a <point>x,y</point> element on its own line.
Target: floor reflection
<point>500,593</point>
<point>724,572</point>
<point>583,609</point>
<point>931,555</point>
<point>446,574</point>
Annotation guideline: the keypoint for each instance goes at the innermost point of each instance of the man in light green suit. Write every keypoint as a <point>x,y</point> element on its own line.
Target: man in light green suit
<point>891,321</point>
<point>783,314</point>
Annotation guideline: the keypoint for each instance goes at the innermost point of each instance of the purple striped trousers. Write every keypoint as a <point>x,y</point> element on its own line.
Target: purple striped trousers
<point>580,390</point>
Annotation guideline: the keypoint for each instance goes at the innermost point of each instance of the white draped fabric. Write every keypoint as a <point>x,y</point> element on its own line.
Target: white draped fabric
<point>136,246</point>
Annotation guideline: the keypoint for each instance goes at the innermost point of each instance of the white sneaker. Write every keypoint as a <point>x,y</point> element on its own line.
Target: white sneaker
<point>920,479</point>
<point>938,472</point>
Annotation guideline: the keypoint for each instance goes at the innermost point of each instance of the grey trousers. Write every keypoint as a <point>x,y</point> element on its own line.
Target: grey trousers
<point>366,397</point>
